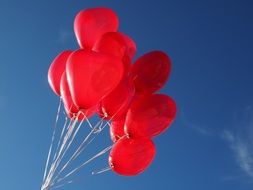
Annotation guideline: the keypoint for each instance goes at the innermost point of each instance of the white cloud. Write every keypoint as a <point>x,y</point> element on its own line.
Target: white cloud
<point>242,150</point>
<point>200,129</point>
<point>227,135</point>
<point>239,139</point>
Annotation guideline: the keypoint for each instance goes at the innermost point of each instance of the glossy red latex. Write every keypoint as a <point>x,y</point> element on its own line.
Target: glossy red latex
<point>150,115</point>
<point>91,76</point>
<point>118,44</point>
<point>117,129</point>
<point>82,114</point>
<point>115,104</point>
<point>131,156</point>
<point>91,24</point>
<point>151,71</point>
<point>56,69</point>
<point>69,106</point>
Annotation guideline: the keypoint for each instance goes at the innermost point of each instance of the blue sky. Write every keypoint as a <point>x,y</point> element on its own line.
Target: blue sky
<point>210,144</point>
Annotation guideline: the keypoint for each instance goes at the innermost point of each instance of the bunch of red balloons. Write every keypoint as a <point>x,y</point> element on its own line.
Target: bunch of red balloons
<point>100,78</point>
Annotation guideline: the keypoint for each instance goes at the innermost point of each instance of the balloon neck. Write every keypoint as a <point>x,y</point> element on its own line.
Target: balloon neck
<point>111,165</point>
<point>105,114</point>
<point>128,136</point>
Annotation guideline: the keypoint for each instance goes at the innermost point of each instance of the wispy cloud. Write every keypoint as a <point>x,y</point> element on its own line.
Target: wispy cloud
<point>201,129</point>
<point>239,138</point>
<point>241,146</point>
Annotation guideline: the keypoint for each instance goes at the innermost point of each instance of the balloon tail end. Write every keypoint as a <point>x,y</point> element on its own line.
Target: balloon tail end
<point>101,170</point>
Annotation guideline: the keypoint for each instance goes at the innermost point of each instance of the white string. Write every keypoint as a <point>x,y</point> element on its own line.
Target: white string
<point>108,168</point>
<point>63,148</point>
<point>96,130</point>
<point>85,147</point>
<point>71,140</point>
<point>90,125</point>
<point>79,149</point>
<point>52,140</point>
<point>68,138</point>
<point>85,163</point>
<point>51,171</point>
<point>66,183</point>
<point>61,137</point>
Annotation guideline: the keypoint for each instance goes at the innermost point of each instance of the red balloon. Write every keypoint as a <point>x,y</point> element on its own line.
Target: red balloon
<point>70,107</point>
<point>82,114</point>
<point>91,76</point>
<point>151,71</point>
<point>118,44</point>
<point>117,129</point>
<point>131,156</point>
<point>115,105</point>
<point>150,115</point>
<point>91,24</point>
<point>56,69</point>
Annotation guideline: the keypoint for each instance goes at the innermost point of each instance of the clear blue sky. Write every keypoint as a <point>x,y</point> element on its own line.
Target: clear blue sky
<point>209,146</point>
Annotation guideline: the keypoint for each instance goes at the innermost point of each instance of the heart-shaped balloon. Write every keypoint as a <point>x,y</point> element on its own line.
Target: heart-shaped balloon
<point>115,104</point>
<point>71,110</point>
<point>91,24</point>
<point>117,129</point>
<point>69,106</point>
<point>151,71</point>
<point>118,44</point>
<point>56,69</point>
<point>131,156</point>
<point>149,115</point>
<point>91,76</point>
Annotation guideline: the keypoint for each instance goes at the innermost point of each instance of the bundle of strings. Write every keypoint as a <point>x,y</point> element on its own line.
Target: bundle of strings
<point>59,157</point>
